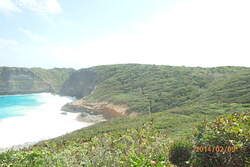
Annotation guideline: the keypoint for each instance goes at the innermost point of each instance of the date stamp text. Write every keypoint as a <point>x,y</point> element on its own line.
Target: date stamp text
<point>215,149</point>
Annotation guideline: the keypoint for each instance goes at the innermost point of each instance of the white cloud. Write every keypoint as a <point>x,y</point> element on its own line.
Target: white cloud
<point>8,43</point>
<point>197,33</point>
<point>41,6</point>
<point>34,37</point>
<point>7,6</point>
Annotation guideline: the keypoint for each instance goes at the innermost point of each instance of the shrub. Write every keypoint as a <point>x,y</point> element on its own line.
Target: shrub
<point>180,153</point>
<point>232,131</point>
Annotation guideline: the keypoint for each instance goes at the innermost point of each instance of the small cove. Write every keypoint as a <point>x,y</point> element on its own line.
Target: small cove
<point>30,118</point>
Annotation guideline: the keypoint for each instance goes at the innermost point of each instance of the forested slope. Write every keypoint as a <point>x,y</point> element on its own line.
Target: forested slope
<point>161,87</point>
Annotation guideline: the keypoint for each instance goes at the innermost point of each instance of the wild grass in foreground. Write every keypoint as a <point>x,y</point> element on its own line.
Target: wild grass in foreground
<point>141,141</point>
<point>144,146</point>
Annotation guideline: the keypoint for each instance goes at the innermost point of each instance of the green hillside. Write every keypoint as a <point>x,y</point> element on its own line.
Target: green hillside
<point>164,87</point>
<point>235,89</point>
<point>172,103</point>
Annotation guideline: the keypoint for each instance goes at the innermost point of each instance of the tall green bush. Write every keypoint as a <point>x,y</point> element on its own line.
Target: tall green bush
<point>227,142</point>
<point>180,153</point>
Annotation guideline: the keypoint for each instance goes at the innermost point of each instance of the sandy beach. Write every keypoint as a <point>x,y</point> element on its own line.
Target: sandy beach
<point>39,123</point>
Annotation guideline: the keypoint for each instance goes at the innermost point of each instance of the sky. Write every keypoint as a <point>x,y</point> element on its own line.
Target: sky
<point>85,33</point>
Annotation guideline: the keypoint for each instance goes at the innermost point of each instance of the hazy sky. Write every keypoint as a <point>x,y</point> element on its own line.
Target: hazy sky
<point>83,33</point>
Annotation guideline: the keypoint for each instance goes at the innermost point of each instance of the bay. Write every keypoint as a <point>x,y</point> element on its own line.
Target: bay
<point>26,119</point>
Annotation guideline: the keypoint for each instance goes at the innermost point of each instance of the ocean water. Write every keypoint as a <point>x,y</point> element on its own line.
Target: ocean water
<point>30,118</point>
<point>12,106</point>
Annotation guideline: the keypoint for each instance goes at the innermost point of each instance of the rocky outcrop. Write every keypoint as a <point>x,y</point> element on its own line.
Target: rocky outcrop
<point>108,110</point>
<point>81,83</point>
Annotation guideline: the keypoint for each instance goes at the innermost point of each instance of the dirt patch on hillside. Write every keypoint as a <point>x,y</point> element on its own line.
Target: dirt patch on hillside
<point>108,110</point>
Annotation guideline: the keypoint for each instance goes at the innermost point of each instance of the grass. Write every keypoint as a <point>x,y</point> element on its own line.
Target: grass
<point>139,141</point>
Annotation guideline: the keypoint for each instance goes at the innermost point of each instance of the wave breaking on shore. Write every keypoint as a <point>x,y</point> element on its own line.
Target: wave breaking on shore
<point>39,123</point>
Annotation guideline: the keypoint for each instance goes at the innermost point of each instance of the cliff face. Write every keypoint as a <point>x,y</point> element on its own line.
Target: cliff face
<point>24,80</point>
<point>21,80</point>
<point>81,83</point>
<point>55,77</point>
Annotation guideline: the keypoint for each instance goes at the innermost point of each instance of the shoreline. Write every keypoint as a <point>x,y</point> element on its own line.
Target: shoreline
<point>86,112</point>
<point>78,118</point>
<point>91,120</point>
<point>36,126</point>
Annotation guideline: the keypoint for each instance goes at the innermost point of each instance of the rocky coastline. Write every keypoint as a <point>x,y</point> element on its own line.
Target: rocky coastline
<point>100,110</point>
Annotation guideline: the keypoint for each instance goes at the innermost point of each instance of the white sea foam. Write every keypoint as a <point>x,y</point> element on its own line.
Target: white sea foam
<point>39,123</point>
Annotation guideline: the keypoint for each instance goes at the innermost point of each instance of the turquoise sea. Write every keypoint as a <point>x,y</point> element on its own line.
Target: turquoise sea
<point>34,117</point>
<point>12,106</point>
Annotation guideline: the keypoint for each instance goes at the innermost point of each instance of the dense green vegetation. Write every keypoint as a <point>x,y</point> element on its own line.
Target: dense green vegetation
<point>143,141</point>
<point>163,87</point>
<point>223,142</point>
<point>227,141</point>
<point>235,89</point>
<point>180,153</point>
<point>171,102</point>
<point>135,147</point>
